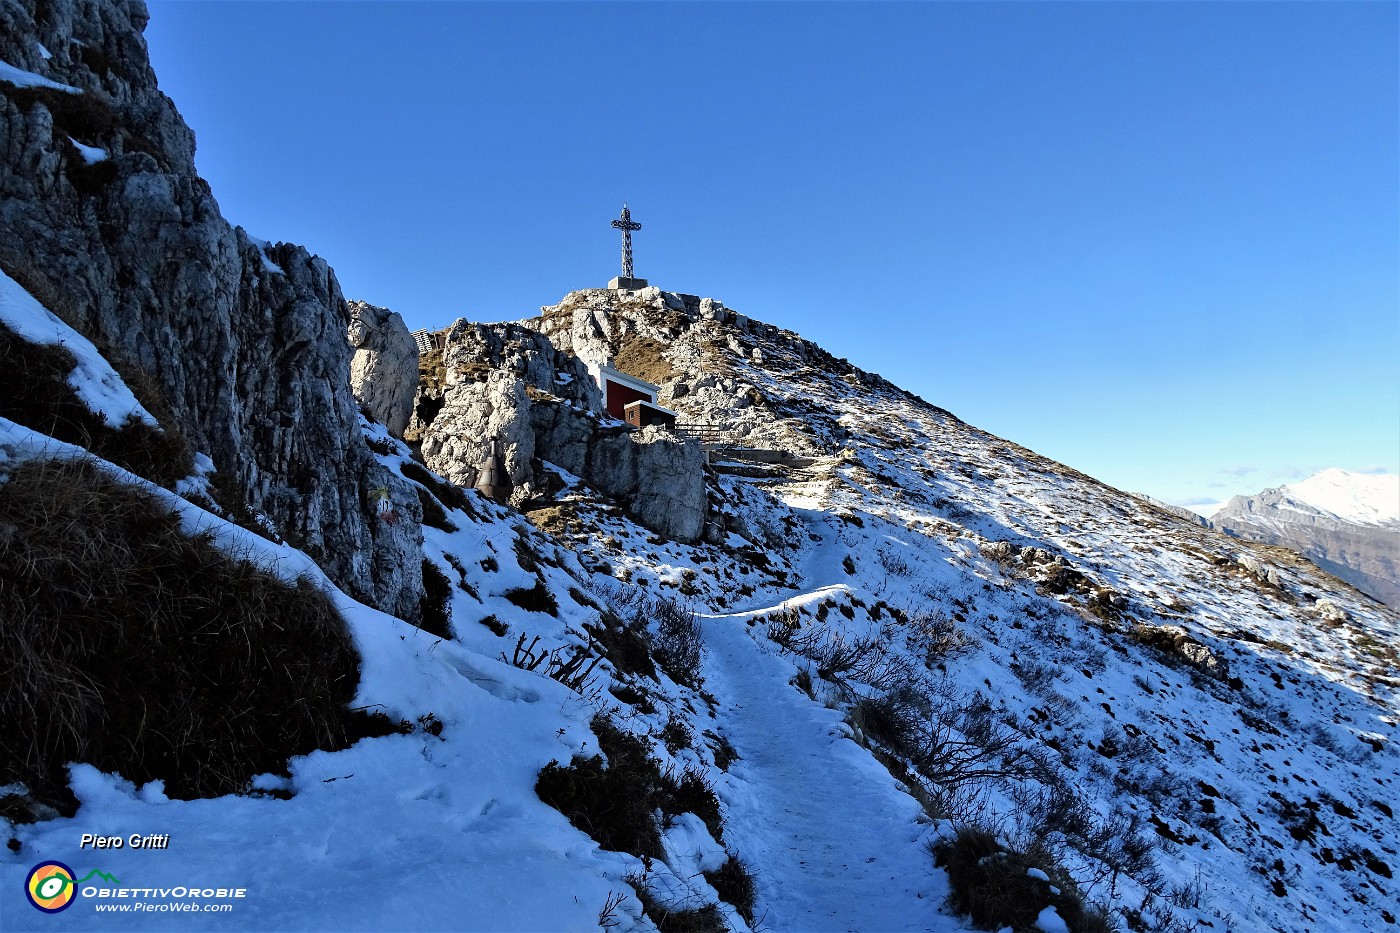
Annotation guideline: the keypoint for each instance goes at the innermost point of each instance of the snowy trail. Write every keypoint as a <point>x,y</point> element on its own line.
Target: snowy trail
<point>819,569</point>
<point>834,840</point>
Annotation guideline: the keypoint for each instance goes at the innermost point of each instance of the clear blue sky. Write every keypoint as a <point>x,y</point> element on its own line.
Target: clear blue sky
<point>1159,242</point>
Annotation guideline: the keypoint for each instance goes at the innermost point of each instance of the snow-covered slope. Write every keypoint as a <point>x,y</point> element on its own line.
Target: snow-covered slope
<point>438,828</point>
<point>1229,699</point>
<point>896,634</point>
<point>1347,523</point>
<point>360,825</point>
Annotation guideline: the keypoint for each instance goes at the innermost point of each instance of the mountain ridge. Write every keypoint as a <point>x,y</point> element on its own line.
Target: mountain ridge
<point>1347,523</point>
<point>1336,494</point>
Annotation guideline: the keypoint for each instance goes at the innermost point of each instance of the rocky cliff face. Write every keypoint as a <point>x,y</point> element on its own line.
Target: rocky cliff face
<point>1366,556</point>
<point>384,369</point>
<point>509,382</point>
<point>104,219</point>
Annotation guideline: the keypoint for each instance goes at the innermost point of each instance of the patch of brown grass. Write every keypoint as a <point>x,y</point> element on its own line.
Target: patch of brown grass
<point>34,392</point>
<point>132,646</point>
<point>642,357</point>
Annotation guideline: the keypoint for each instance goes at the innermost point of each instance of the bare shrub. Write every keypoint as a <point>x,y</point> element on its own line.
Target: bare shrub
<point>841,659</point>
<point>671,630</point>
<point>784,624</point>
<point>675,639</point>
<point>958,740</point>
<point>633,696</point>
<point>692,793</point>
<point>936,636</point>
<point>1036,677</point>
<point>893,720</point>
<point>571,668</point>
<point>607,915</point>
<point>627,649</point>
<point>1057,820</point>
<point>676,735</point>
<point>893,562</point>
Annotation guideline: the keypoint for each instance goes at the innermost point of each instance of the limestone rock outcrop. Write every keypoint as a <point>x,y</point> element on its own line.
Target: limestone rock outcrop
<point>665,491</point>
<point>473,412</point>
<point>510,382</point>
<point>384,368</point>
<point>1175,641</point>
<point>245,340</point>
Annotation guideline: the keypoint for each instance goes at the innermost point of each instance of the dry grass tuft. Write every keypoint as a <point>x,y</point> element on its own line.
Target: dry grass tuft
<point>132,646</point>
<point>436,602</point>
<point>34,392</point>
<point>990,883</point>
<point>450,495</point>
<point>615,803</point>
<point>705,919</point>
<point>734,884</point>
<point>537,598</point>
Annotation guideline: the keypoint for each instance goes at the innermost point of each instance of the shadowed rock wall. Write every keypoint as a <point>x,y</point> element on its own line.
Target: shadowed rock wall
<point>246,340</point>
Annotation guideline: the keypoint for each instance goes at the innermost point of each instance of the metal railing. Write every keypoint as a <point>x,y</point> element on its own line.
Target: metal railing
<point>706,434</point>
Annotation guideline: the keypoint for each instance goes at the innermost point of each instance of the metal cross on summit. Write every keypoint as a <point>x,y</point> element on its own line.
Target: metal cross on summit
<point>626,224</point>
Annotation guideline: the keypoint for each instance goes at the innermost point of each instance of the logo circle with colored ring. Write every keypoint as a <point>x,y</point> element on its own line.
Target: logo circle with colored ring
<point>50,887</point>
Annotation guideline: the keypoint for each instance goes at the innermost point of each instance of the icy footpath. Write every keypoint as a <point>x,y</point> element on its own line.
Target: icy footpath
<point>833,841</point>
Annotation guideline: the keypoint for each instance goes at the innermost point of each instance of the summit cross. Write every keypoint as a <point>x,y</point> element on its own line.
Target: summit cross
<point>626,224</point>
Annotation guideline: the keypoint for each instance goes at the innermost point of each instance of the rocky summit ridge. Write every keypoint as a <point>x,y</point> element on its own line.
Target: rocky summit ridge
<point>842,662</point>
<point>1064,583</point>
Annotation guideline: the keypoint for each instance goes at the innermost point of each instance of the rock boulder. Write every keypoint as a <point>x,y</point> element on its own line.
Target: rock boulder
<point>384,367</point>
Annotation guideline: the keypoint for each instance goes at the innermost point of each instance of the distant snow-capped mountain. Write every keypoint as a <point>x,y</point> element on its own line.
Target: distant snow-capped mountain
<point>1347,523</point>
